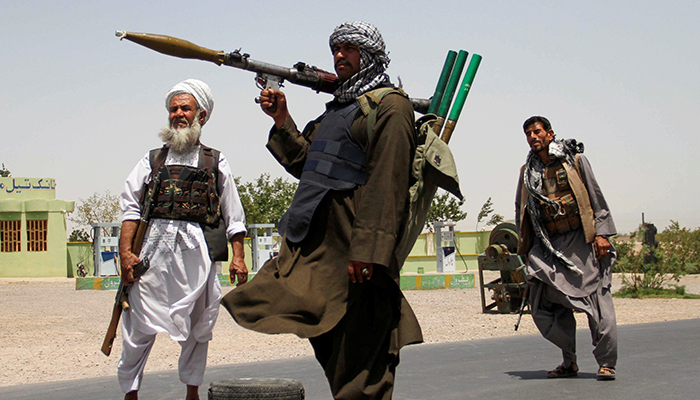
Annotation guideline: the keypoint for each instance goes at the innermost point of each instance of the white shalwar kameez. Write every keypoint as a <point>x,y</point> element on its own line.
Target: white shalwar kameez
<point>180,292</point>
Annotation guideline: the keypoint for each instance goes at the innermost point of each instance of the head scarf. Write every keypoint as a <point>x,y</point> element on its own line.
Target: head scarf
<point>532,179</point>
<point>199,90</point>
<point>373,58</point>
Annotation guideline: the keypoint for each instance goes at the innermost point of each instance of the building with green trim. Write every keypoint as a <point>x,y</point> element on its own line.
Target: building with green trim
<point>32,228</point>
<point>421,260</point>
<point>33,237</point>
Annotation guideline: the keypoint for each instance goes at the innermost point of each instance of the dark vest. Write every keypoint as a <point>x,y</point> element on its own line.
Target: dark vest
<point>190,194</point>
<point>556,187</point>
<point>335,161</point>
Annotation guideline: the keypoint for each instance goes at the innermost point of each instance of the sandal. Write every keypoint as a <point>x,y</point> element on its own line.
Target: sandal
<point>606,373</point>
<point>564,372</point>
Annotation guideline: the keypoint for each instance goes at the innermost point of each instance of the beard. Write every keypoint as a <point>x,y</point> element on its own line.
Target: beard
<point>181,139</point>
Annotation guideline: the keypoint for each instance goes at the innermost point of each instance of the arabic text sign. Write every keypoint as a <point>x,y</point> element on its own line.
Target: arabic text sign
<point>44,188</point>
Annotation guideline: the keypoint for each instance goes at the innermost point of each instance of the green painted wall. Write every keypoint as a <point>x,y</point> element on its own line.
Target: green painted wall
<point>408,282</point>
<point>79,252</point>
<point>28,198</point>
<point>469,246</point>
<point>82,252</point>
<point>23,199</point>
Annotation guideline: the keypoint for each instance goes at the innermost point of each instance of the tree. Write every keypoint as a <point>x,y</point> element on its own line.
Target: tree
<point>487,209</point>
<point>681,246</point>
<point>96,208</point>
<point>265,200</point>
<point>677,253</point>
<point>79,235</point>
<point>4,172</point>
<point>445,207</point>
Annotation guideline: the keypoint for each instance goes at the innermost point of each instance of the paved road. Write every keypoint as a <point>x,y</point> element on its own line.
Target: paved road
<point>658,361</point>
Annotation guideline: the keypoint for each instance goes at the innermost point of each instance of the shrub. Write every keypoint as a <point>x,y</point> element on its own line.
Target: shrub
<point>647,268</point>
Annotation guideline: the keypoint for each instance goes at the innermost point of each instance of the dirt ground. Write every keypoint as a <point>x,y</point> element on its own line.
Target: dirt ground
<point>51,332</point>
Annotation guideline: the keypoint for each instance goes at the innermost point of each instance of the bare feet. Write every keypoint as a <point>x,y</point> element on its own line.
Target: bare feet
<point>133,395</point>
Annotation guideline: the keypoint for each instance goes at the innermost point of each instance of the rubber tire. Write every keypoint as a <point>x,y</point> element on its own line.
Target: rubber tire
<point>256,389</point>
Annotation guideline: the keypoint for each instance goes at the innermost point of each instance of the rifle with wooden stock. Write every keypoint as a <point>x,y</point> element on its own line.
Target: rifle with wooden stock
<point>121,301</point>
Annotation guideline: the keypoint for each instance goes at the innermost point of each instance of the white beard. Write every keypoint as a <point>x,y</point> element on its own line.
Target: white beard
<point>181,139</point>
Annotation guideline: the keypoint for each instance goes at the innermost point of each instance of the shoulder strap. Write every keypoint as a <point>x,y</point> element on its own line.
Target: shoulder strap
<point>209,160</point>
<point>157,159</point>
<point>577,167</point>
<point>369,102</point>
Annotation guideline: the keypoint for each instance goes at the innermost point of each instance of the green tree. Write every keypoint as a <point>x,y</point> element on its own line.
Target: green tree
<point>79,235</point>
<point>265,200</point>
<point>680,246</point>
<point>4,172</point>
<point>487,209</point>
<point>677,254</point>
<point>100,207</point>
<point>445,207</point>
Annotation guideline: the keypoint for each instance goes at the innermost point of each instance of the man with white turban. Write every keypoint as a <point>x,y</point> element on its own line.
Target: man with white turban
<point>336,279</point>
<point>194,214</point>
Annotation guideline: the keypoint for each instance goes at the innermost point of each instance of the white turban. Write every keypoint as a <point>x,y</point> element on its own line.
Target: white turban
<point>199,90</point>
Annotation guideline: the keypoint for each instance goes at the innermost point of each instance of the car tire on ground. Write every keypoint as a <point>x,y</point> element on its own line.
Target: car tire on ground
<point>256,388</point>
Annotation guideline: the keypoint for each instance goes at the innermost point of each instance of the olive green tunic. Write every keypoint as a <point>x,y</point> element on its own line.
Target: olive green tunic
<point>306,289</point>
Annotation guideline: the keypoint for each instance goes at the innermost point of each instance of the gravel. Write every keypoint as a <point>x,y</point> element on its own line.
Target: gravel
<point>52,332</point>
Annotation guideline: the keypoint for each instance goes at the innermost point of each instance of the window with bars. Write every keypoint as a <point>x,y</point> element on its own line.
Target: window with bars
<point>10,236</point>
<point>36,235</point>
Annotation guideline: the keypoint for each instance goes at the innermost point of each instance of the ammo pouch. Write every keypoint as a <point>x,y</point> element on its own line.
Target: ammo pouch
<point>567,220</point>
<point>187,194</point>
<point>556,187</point>
<point>215,236</point>
<point>190,194</point>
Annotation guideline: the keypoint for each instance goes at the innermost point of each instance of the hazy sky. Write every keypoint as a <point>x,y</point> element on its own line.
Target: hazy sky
<point>620,76</point>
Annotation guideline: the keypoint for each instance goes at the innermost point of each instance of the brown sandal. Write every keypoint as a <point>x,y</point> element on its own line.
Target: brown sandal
<point>606,373</point>
<point>564,372</point>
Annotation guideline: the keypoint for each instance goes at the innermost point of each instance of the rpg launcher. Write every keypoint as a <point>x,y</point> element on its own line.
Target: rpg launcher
<point>269,76</point>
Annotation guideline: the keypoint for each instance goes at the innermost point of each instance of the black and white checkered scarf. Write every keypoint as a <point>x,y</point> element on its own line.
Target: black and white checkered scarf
<point>533,181</point>
<point>373,58</point>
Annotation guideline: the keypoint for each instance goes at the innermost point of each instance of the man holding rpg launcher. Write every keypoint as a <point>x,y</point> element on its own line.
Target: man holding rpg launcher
<point>187,194</point>
<point>335,280</point>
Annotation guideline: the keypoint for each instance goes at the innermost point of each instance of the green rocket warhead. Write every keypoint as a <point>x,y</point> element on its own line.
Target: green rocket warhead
<point>461,97</point>
<point>442,82</point>
<point>450,91</point>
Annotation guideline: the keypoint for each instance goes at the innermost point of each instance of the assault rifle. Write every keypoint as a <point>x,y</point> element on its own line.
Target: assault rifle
<point>269,76</point>
<point>121,301</point>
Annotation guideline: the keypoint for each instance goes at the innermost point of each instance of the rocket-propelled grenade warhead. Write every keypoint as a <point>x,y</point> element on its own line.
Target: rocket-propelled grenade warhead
<point>461,97</point>
<point>173,46</point>
<point>301,74</point>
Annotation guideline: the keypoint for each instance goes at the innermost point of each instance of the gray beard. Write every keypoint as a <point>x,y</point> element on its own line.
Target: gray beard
<point>181,139</point>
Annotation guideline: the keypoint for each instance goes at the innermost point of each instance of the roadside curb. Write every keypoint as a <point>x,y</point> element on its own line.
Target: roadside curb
<point>437,281</point>
<point>408,282</point>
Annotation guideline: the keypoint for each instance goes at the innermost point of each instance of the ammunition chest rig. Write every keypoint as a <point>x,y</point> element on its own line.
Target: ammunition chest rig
<point>555,186</point>
<point>190,194</point>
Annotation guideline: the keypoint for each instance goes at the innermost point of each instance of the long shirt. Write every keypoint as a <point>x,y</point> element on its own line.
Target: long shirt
<point>181,277</point>
<point>573,246</point>
<point>305,290</point>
